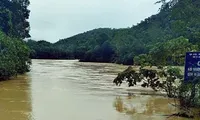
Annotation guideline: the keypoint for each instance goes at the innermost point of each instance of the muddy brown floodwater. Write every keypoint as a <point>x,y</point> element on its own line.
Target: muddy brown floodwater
<point>70,90</point>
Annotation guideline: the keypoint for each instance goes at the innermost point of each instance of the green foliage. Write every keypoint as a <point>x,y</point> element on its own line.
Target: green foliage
<point>190,95</point>
<point>129,75</point>
<point>99,50</point>
<point>173,79</point>
<point>171,52</point>
<point>13,18</point>
<point>45,50</point>
<point>143,60</point>
<point>103,53</point>
<point>165,36</point>
<point>14,53</point>
<point>14,57</point>
<point>5,20</point>
<point>158,80</point>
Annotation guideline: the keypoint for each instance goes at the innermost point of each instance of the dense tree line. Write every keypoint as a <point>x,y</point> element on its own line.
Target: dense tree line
<point>177,19</point>
<point>14,53</point>
<point>45,50</point>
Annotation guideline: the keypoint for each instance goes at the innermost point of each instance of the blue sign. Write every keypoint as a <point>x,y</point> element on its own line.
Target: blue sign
<point>192,65</point>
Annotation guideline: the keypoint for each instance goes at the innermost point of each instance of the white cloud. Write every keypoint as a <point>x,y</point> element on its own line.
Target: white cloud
<point>52,20</point>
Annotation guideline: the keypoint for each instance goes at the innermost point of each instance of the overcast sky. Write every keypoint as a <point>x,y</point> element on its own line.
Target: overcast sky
<point>52,20</point>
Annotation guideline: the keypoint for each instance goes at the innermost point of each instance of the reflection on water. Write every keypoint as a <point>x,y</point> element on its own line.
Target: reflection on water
<point>147,107</point>
<point>15,103</point>
<point>70,90</point>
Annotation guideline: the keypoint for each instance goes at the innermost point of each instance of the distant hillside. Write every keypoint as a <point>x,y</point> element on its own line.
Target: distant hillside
<point>175,19</point>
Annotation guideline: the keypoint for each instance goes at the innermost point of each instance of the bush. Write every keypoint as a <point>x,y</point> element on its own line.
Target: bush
<point>14,57</point>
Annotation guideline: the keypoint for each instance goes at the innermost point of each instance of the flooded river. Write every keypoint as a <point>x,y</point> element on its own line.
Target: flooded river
<point>71,90</point>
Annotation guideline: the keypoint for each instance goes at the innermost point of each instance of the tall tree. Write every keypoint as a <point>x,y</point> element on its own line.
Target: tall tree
<point>13,18</point>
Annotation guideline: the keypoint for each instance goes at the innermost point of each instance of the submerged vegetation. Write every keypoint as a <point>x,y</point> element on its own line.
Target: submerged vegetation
<point>169,80</point>
<point>14,53</point>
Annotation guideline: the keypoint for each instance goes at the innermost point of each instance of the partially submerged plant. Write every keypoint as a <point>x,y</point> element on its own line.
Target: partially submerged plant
<point>170,80</point>
<point>130,75</point>
<point>151,78</point>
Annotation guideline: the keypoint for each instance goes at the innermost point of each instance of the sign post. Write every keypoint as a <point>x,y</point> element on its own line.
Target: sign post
<point>192,66</point>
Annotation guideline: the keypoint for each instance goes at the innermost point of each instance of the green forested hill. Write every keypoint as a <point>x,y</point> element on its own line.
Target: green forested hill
<point>177,20</point>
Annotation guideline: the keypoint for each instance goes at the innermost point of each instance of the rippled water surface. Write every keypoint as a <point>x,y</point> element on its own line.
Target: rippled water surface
<point>70,90</point>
